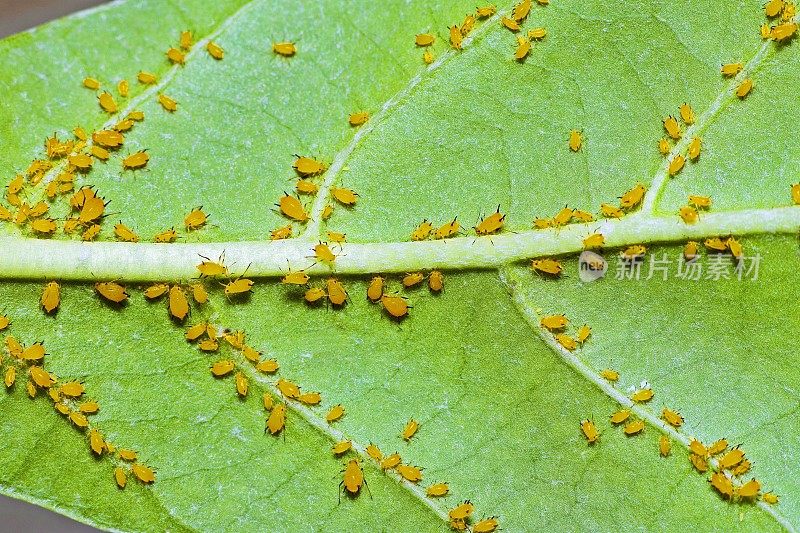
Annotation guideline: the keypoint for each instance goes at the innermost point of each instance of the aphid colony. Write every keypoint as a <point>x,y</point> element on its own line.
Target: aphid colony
<point>457,34</point>
<point>557,325</point>
<point>727,466</point>
<point>67,397</point>
<point>514,21</point>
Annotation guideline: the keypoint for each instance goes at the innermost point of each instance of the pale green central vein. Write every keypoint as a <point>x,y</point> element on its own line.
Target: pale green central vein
<point>510,281</point>
<point>138,262</point>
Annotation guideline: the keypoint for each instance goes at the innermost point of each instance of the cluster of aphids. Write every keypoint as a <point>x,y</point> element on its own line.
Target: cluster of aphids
<point>727,465</point>
<point>67,399</point>
<point>514,24</point>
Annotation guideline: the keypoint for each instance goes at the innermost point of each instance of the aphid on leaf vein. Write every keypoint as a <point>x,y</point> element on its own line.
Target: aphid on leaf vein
<point>634,428</point>
<point>676,165</point>
<point>345,197</point>
<point>632,197</point>
<point>687,114</point>
<point>410,473</point>
<point>620,416</point>
<point>491,224</point>
<point>456,37</point>
<point>672,417</point>
<point>731,69</point>
<point>609,374</point>
<point>423,231</point>
<point>306,166</point>
<point>554,322</point>
<point>642,395</point>
<point>146,78</point>
<point>694,148</point>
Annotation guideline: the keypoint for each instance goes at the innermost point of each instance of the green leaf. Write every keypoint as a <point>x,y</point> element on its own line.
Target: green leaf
<point>498,399</point>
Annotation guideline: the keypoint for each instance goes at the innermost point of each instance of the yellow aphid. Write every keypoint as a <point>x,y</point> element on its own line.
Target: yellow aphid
<point>663,146</point>
<point>238,286</point>
<point>268,366</point>
<point>589,431</point>
<point>195,332</point>
<point>210,268</point>
<point>410,473</point>
<point>93,208</point>
<point>688,214</point>
<point>676,165</point>
<point>731,69</point>
<point>358,119</point>
<point>595,240</point>
<point>521,10</point>
<point>698,448</point>
<point>412,279</point>
<point>375,289</point>
<point>10,376</point>
<point>284,232</point>
<point>82,162</point>
<point>773,8</point>
<point>412,426</point>
<point>335,236</point>
<point>91,83</point>
<point>396,306</point>
<point>146,78</point>
<point>31,388</point>
<point>634,428</point>
<point>562,217</point>
<point>337,294</point>
<point>13,346</point>
<point>199,293</point>
<point>120,477</point>
<point>437,490</point>
<point>427,57</point>
<point>620,416</point>
<point>44,226</point>
<point>672,417</point>
<point>549,267</point>
<point>700,202</point>
<point>447,230</point>
<point>583,333</point>
<point>136,160</point>
<point>694,148</point>
<point>285,49</point>
<point>6,215</point>
<point>4,322</point>
<point>176,56</point>
<point>250,353</point>
<point>79,419</point>
<point>374,452</point>
<point>770,497</point>
<point>344,196</point>
<point>749,489</point>
<point>632,197</point>
<point>122,88</point>
<point>468,24</point>
<point>731,459</point>
<point>127,455</point>
<point>298,277</point>
<point>784,31</point>
<point>664,445</point>
<point>186,40</point>
<point>222,368</point>
<point>510,23</point>
<point>575,140</point>
<point>537,33</point>
<point>241,384</point>
<point>322,252</point>
<point>456,37</point>
<point>715,244</point>
<point>633,252</point>
<point>196,219</point>
<point>765,30</point>
<point>554,322</point>
<point>566,341</point>
<point>306,166</point>
<point>672,127</point>
<point>687,114</point>
<point>353,478</point>
<point>215,50</point>
<point>423,231</point>
<point>73,389</point>
<point>178,303</point>
<point>91,232</point>
<point>41,377</point>
<point>268,401</point>
<point>796,193</point>
<point>96,442</point>
<point>310,398</point>
<point>642,395</point>
<point>745,88</point>
<point>287,388</point>
<point>789,11</point>
<point>143,473</point>
<point>35,352</point>
<point>336,412</point>
<point>156,290</point>
<point>690,250</point>
<point>722,484</point>
<point>582,216</point>
<point>107,102</point>
<point>108,138</point>
<point>342,447</point>
<point>742,468</point>
<point>735,247</point>
<point>487,525</point>
<point>609,374</point>
<point>277,419</point>
<point>292,208</point>
<point>111,291</point>
<point>167,103</point>
<point>436,281</point>
<point>124,233</point>
<point>491,224</point>
<point>485,12</point>
<point>208,345</point>
<point>424,39</point>
<point>700,463</point>
<point>523,48</point>
<point>465,510</point>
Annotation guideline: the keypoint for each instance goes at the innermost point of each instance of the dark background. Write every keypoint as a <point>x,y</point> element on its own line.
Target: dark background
<point>16,16</point>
